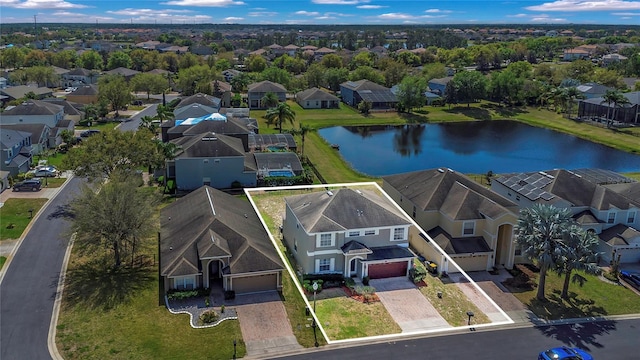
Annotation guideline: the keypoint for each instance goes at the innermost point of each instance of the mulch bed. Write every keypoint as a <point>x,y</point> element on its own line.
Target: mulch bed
<point>355,296</point>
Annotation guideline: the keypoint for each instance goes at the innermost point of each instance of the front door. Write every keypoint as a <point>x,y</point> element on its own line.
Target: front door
<point>353,266</point>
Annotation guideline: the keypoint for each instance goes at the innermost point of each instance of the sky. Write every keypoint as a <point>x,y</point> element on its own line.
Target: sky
<point>616,12</point>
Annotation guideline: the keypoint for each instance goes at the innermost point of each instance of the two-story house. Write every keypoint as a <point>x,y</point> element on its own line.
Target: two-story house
<point>593,206</point>
<point>469,222</point>
<point>258,90</point>
<point>79,76</point>
<point>352,232</point>
<point>380,97</point>
<point>34,112</point>
<point>15,151</point>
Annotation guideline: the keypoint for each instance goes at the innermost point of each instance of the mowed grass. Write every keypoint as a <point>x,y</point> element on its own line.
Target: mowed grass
<point>110,314</point>
<point>346,318</point>
<point>595,298</point>
<point>3,259</point>
<point>15,216</point>
<point>454,304</point>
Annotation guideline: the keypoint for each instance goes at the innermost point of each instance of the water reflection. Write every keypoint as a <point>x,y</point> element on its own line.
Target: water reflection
<point>471,147</point>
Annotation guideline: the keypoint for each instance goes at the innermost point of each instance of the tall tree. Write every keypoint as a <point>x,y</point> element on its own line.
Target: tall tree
<point>163,113</point>
<point>115,90</point>
<point>281,112</point>
<point>580,253</point>
<point>616,98</point>
<point>119,59</point>
<point>149,83</point>
<point>540,233</point>
<point>269,100</point>
<point>470,86</point>
<point>302,131</point>
<point>90,60</point>
<point>115,218</point>
<point>411,92</point>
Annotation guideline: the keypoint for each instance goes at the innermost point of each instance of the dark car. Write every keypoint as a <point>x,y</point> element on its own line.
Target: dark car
<point>633,278</point>
<point>28,185</point>
<point>88,133</point>
<point>564,353</point>
<point>137,102</point>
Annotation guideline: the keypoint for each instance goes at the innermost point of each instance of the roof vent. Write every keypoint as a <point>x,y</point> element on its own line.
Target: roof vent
<point>329,193</point>
<point>170,247</point>
<point>245,216</point>
<point>440,170</point>
<point>209,138</point>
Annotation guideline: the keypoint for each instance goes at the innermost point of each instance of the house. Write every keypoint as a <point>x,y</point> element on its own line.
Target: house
<point>71,112</point>
<point>15,151</point>
<point>315,98</point>
<point>84,94</point>
<point>21,91</point>
<point>318,54</point>
<point>124,72</point>
<point>211,159</point>
<point>231,127</point>
<point>34,112</point>
<point>38,134</point>
<point>229,74</point>
<point>599,109</point>
<point>209,238</point>
<point>79,76</point>
<point>593,90</point>
<point>594,207</point>
<point>291,50</point>
<point>258,90</point>
<point>472,224</point>
<point>194,110</point>
<point>356,233</point>
<point>202,99</point>
<point>222,90</point>
<point>380,97</point>
<point>609,59</point>
<point>280,164</point>
<point>3,82</point>
<point>439,85</point>
<point>575,54</point>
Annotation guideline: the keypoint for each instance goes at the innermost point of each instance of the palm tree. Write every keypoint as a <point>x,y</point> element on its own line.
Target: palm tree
<point>572,94</point>
<point>616,98</point>
<point>580,254</point>
<point>303,130</point>
<point>269,100</point>
<point>147,122</point>
<point>540,232</point>
<point>280,113</point>
<point>163,113</point>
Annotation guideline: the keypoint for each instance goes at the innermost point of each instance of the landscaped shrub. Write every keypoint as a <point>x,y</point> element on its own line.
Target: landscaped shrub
<point>186,294</point>
<point>307,285</point>
<point>365,281</point>
<point>209,317</point>
<point>417,273</point>
<point>367,292</point>
<point>349,282</point>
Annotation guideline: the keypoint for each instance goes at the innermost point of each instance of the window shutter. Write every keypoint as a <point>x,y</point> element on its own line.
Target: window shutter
<point>317,265</point>
<point>332,264</point>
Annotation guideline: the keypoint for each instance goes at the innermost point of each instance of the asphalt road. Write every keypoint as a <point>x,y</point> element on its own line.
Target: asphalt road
<point>27,292</point>
<point>133,122</point>
<point>610,340</point>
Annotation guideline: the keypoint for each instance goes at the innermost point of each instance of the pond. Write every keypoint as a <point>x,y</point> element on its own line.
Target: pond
<point>471,147</point>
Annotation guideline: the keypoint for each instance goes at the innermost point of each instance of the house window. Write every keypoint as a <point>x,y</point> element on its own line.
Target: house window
<point>184,283</point>
<point>631,217</point>
<point>468,228</point>
<point>369,232</point>
<point>354,233</point>
<point>326,240</point>
<point>611,219</point>
<point>398,234</point>
<point>325,265</point>
<point>518,251</point>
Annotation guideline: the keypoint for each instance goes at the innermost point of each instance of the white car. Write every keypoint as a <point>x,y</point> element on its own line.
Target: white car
<point>46,171</point>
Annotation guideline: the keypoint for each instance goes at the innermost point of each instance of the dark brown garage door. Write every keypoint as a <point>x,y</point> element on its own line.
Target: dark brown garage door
<point>380,271</point>
<point>255,283</point>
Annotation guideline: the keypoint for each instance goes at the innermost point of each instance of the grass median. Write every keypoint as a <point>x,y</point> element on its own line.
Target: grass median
<point>16,214</point>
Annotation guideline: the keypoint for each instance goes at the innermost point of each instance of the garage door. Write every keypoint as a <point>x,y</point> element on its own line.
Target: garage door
<point>255,283</point>
<point>380,271</point>
<point>476,263</point>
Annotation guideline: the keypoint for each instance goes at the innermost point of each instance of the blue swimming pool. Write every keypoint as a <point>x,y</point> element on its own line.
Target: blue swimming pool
<point>283,173</point>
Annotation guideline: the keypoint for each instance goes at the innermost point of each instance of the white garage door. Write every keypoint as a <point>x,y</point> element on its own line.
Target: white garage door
<point>476,263</point>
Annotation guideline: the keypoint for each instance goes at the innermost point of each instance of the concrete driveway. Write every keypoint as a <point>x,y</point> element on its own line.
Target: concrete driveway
<point>407,306</point>
<point>264,324</point>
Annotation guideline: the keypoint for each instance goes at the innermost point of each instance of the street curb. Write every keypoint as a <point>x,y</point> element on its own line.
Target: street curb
<point>28,228</point>
<point>51,338</point>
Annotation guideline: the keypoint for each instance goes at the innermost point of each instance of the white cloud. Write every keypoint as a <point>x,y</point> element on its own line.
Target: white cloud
<point>438,11</point>
<point>586,5</point>
<point>367,7</point>
<point>203,3</point>
<point>396,16</point>
<point>625,14</point>
<point>307,13</point>
<point>262,13</point>
<point>547,19</point>
<point>140,12</point>
<point>339,2</point>
<point>232,18</point>
<point>41,4</point>
<point>324,17</point>
<point>517,16</point>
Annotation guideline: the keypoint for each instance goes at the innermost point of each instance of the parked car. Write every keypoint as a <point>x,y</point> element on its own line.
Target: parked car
<point>46,171</point>
<point>137,102</point>
<point>564,353</point>
<point>632,278</point>
<point>31,184</point>
<point>88,133</point>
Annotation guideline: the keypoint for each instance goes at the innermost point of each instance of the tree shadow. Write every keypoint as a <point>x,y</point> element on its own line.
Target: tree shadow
<point>582,335</point>
<point>98,285</point>
<point>508,111</point>
<point>472,112</point>
<point>62,211</point>
<point>554,307</point>
<point>413,118</point>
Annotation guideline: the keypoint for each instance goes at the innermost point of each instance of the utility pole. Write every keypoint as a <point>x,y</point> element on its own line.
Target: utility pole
<point>35,26</point>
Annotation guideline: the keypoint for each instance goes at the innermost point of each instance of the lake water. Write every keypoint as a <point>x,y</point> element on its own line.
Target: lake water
<point>471,147</point>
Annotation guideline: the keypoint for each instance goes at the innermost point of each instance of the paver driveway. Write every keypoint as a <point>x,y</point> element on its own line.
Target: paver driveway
<point>407,306</point>
<point>264,324</point>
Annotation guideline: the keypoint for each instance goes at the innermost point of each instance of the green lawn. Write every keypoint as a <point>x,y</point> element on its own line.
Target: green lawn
<point>15,216</point>
<point>595,298</point>
<point>117,315</point>
<point>99,126</point>
<point>3,260</point>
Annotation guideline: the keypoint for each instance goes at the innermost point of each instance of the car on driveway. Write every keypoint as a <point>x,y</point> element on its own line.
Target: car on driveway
<point>46,171</point>
<point>632,278</point>
<point>564,353</point>
<point>28,185</point>
<point>88,133</point>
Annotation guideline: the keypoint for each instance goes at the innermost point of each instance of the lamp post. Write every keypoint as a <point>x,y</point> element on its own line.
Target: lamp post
<point>313,324</point>
<point>30,213</point>
<point>234,349</point>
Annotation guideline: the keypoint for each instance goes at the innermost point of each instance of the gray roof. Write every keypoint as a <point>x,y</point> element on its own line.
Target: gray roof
<point>344,209</point>
<point>85,90</point>
<point>267,86</point>
<point>230,126</point>
<point>593,88</point>
<point>585,218</point>
<point>122,71</point>
<point>69,109</point>
<point>389,253</point>
<point>10,137</point>
<point>200,98</point>
<point>158,71</point>
<point>442,81</point>
<point>192,111</point>
<point>602,176</point>
<point>209,145</point>
<point>278,160</point>
<point>259,141</point>
<point>362,85</point>
<point>210,223</point>
<point>451,193</point>
<point>461,245</point>
<point>619,235</point>
<point>316,94</point>
<point>34,130</point>
<point>35,107</point>
<point>628,190</point>
<point>18,92</point>
<point>80,72</point>
<point>633,97</point>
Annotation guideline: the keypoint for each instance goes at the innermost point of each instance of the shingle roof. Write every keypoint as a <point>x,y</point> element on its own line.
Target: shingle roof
<point>316,94</point>
<point>122,71</point>
<point>389,253</point>
<point>585,217</point>
<point>10,137</point>
<point>619,235</point>
<point>231,126</point>
<point>80,72</point>
<point>35,107</point>
<point>363,85</point>
<point>85,90</point>
<point>267,86</point>
<point>200,98</point>
<point>209,145</point>
<point>18,92</point>
<point>34,130</point>
<point>207,222</point>
<point>192,111</point>
<point>461,245</point>
<point>344,209</point>
<point>69,109</point>
<point>450,192</point>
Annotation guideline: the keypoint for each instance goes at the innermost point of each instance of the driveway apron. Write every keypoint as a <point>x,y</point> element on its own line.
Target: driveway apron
<point>407,306</point>
<point>264,324</point>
